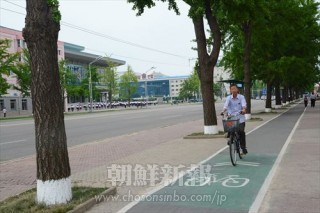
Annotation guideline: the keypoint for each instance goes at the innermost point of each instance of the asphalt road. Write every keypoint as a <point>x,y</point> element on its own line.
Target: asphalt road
<point>17,136</point>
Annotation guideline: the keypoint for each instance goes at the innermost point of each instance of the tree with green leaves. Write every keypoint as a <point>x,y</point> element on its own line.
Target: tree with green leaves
<point>110,78</point>
<point>208,53</point>
<point>292,57</point>
<point>128,84</point>
<point>95,78</point>
<point>191,86</point>
<point>243,18</point>
<point>68,80</point>
<point>7,64</point>
<point>281,54</point>
<point>218,89</point>
<point>53,169</point>
<point>23,73</point>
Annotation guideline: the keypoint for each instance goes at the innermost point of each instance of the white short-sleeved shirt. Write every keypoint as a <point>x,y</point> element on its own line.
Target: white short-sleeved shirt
<point>235,105</point>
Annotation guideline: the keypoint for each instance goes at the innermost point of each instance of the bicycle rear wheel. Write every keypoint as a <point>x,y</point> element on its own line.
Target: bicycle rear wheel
<point>233,149</point>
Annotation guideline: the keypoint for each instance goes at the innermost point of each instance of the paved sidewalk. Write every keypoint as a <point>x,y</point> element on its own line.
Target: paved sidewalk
<point>295,186</point>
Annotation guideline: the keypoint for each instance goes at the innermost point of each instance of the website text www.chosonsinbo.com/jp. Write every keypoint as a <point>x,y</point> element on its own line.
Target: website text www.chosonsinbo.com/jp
<point>215,199</point>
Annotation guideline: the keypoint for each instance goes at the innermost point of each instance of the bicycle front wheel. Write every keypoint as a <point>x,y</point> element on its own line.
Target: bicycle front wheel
<point>233,149</point>
<point>237,142</point>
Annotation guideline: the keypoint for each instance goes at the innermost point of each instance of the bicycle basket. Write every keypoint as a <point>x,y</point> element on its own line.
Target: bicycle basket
<point>230,125</point>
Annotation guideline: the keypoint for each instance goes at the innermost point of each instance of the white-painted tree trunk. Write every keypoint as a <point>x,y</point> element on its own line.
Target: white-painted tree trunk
<point>267,109</point>
<point>211,130</point>
<point>247,116</point>
<point>54,191</point>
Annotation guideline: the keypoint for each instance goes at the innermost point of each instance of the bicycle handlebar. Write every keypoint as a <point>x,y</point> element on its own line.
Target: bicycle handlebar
<point>227,115</point>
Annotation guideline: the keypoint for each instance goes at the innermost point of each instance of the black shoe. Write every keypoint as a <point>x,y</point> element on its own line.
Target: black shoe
<point>244,151</point>
<point>229,142</point>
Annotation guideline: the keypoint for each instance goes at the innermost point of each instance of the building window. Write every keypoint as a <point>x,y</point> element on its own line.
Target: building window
<point>24,104</point>
<point>177,89</point>
<point>59,52</point>
<point>172,90</point>
<point>13,104</point>
<point>1,104</point>
<point>18,42</point>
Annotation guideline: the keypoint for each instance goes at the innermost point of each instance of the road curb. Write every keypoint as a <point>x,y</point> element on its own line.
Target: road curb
<point>93,201</point>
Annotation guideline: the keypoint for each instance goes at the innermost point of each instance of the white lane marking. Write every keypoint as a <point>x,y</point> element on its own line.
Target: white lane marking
<point>267,182</point>
<point>244,163</point>
<point>132,204</point>
<point>181,174</point>
<point>18,141</point>
<point>222,164</point>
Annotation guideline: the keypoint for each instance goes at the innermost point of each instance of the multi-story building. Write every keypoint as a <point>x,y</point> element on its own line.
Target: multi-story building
<point>176,85</point>
<point>159,85</point>
<point>74,55</point>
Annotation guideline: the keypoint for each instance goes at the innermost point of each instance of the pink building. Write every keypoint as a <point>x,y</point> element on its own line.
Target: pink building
<point>77,60</point>
<point>17,44</point>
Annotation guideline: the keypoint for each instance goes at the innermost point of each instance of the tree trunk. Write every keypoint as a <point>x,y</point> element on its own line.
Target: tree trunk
<point>247,29</point>
<point>209,111</point>
<point>278,94</point>
<point>297,94</point>
<point>268,98</point>
<point>284,95</point>
<point>290,94</point>
<point>205,73</point>
<point>110,96</point>
<point>53,169</point>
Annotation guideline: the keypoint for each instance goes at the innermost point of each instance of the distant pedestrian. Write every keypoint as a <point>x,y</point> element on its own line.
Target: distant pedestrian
<point>305,101</point>
<point>4,110</point>
<point>313,99</point>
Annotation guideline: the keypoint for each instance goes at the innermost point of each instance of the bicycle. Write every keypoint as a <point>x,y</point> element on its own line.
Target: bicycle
<point>231,126</point>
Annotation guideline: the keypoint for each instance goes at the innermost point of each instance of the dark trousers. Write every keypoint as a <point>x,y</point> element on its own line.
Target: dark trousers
<point>313,101</point>
<point>242,135</point>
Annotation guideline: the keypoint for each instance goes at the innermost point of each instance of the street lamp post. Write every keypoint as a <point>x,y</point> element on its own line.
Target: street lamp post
<point>90,80</point>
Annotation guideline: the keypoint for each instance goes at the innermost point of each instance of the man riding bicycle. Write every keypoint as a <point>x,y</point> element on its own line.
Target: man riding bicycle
<point>236,105</point>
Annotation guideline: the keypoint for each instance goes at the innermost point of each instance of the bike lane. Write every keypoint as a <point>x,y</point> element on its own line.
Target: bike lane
<point>217,186</point>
